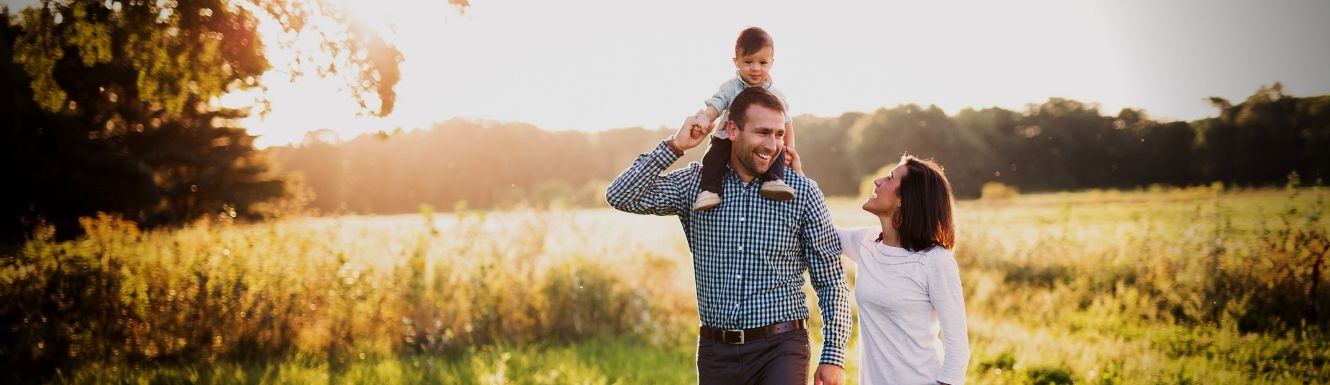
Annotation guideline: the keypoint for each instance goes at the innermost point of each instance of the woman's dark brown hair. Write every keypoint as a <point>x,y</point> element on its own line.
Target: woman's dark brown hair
<point>926,202</point>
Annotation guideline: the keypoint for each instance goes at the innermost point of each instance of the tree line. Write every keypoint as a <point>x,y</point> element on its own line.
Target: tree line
<point>1060,144</point>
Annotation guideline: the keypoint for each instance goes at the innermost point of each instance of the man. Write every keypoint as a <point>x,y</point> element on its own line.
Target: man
<point>749,253</point>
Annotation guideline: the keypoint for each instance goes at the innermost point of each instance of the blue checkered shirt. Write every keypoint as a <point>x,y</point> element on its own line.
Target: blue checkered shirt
<point>749,253</point>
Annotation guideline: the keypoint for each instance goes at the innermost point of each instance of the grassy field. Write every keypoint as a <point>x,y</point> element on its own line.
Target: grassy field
<point>1168,286</point>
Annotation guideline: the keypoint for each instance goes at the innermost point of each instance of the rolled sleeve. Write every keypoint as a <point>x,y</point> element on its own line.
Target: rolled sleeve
<point>724,95</point>
<point>641,189</point>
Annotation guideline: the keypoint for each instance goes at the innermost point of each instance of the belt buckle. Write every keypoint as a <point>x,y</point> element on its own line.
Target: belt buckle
<point>725,336</point>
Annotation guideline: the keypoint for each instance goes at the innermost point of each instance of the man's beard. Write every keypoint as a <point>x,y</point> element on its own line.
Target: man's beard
<point>748,160</point>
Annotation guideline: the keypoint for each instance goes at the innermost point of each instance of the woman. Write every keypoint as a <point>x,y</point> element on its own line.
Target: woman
<point>908,286</point>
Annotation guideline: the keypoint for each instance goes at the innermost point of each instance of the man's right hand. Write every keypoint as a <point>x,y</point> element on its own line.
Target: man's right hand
<point>691,134</point>
<point>704,122</point>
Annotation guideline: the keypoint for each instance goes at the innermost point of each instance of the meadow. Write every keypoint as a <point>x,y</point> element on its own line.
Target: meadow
<point>1153,286</point>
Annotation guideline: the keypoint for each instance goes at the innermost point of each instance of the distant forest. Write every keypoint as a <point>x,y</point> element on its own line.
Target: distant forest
<point>1060,144</point>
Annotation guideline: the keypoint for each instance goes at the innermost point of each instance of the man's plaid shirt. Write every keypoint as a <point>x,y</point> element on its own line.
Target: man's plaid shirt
<point>749,253</point>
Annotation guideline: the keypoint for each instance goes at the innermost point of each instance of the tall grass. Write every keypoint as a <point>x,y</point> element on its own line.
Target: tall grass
<point>335,289</point>
<point>1164,286</point>
<point>1184,286</point>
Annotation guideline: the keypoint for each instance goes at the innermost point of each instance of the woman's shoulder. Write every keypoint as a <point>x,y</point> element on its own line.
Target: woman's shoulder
<point>941,257</point>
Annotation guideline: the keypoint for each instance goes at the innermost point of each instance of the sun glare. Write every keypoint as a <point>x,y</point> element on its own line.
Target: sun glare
<point>600,64</point>
<point>300,95</point>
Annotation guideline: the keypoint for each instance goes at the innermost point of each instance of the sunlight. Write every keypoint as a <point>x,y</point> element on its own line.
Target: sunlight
<point>560,69</point>
<point>597,65</point>
<point>301,97</point>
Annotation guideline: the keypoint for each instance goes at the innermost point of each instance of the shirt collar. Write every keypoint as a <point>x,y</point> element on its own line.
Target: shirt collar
<point>885,249</point>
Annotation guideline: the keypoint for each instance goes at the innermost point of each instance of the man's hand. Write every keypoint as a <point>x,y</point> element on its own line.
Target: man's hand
<point>691,134</point>
<point>704,123</point>
<point>828,374</point>
<point>792,160</point>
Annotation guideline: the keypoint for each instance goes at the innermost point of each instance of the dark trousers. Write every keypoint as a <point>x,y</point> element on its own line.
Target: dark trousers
<point>718,156</point>
<point>781,359</point>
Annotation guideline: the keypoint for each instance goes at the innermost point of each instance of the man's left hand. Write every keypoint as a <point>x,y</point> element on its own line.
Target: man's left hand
<point>828,374</point>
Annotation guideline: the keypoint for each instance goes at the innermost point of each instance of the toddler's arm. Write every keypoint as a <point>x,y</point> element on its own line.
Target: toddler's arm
<point>789,134</point>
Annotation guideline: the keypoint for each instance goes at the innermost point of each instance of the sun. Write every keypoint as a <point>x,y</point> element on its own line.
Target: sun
<point>376,16</point>
<point>298,90</point>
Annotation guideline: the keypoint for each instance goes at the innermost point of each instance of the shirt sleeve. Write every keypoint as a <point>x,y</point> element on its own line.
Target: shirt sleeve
<point>724,95</point>
<point>641,189</point>
<point>822,249</point>
<point>849,242</point>
<point>944,292</point>
<point>789,116</point>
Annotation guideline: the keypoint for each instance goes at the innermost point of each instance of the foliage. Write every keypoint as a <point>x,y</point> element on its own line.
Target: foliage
<point>996,191</point>
<point>111,105</point>
<point>1195,285</point>
<point>218,291</point>
<point>1057,145</point>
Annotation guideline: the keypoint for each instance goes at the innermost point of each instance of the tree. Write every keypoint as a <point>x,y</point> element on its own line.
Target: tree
<point>112,103</point>
<point>1264,138</point>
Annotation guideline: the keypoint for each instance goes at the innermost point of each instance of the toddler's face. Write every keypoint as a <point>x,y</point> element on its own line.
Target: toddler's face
<point>755,68</point>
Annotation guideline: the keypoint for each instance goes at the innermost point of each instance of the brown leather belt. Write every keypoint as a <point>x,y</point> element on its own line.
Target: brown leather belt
<point>740,337</point>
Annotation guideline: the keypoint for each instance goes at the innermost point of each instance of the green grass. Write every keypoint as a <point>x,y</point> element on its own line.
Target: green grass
<point>591,362</point>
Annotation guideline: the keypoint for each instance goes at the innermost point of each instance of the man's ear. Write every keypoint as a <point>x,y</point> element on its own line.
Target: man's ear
<point>731,128</point>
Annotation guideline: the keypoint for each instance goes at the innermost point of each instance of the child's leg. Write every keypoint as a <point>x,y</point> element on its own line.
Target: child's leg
<point>713,173</point>
<point>777,169</point>
<point>773,184</point>
<point>713,164</point>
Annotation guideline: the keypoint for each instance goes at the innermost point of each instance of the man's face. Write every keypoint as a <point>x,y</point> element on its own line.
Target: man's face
<point>756,146</point>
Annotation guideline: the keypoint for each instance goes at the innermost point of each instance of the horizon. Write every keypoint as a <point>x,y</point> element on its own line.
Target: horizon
<point>952,114</point>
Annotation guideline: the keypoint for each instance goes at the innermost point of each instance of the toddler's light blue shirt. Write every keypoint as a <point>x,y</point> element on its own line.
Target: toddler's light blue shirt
<point>725,95</point>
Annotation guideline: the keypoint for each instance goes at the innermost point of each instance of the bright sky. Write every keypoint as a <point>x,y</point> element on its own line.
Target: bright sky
<point>602,64</point>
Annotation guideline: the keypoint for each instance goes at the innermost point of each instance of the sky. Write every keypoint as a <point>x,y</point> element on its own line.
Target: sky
<point>597,64</point>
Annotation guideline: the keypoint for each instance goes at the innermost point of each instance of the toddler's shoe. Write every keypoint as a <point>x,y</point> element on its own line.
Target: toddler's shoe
<point>777,190</point>
<point>706,200</point>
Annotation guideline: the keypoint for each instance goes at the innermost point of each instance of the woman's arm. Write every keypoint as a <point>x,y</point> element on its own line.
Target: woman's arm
<point>789,134</point>
<point>947,297</point>
<point>848,241</point>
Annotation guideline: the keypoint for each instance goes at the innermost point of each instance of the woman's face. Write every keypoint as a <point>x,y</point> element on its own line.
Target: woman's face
<point>885,200</point>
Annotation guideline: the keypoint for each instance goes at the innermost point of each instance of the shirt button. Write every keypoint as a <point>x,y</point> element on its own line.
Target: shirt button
<point>741,248</point>
<point>741,219</point>
<point>738,276</point>
<point>736,306</point>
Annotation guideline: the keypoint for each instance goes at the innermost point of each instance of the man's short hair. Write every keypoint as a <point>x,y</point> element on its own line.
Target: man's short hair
<point>751,40</point>
<point>750,96</point>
